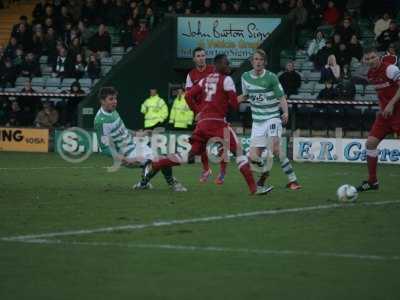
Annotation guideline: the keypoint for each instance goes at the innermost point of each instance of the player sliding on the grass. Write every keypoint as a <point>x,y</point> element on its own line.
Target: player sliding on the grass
<point>386,79</point>
<point>265,94</point>
<point>115,140</point>
<point>218,93</point>
<point>200,71</point>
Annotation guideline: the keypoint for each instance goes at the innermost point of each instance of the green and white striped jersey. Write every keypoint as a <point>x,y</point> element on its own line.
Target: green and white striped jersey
<point>110,127</point>
<point>263,94</point>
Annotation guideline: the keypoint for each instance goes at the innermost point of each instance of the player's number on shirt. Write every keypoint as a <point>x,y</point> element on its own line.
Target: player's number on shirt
<point>211,89</point>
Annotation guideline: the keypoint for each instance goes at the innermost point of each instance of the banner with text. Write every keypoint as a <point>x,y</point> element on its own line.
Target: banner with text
<point>24,139</point>
<point>236,37</point>
<point>77,142</point>
<point>343,150</point>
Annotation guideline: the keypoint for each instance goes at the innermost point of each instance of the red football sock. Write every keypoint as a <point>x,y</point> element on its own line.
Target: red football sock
<point>165,162</point>
<point>248,176</point>
<point>372,161</point>
<point>222,167</point>
<point>204,161</point>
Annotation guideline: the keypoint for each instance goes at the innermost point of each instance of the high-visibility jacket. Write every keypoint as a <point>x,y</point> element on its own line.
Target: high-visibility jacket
<point>181,115</point>
<point>155,111</point>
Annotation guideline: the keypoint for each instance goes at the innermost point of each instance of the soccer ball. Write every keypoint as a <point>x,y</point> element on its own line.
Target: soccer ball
<point>347,193</point>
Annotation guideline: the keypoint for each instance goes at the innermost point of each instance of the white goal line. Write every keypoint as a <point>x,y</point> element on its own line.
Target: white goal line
<point>24,238</point>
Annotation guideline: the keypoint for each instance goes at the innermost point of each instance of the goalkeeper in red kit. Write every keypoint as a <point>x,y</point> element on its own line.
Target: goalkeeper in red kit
<point>218,92</point>
<point>386,79</point>
<point>200,71</point>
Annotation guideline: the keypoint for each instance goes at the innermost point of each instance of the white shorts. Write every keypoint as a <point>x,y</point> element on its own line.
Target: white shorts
<point>260,131</point>
<point>141,154</point>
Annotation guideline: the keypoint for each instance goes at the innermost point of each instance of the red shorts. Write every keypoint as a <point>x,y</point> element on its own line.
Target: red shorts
<point>384,126</point>
<point>213,132</point>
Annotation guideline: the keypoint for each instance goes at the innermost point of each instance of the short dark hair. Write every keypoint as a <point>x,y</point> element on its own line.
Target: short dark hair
<point>370,50</point>
<point>197,49</point>
<point>106,91</point>
<point>219,57</point>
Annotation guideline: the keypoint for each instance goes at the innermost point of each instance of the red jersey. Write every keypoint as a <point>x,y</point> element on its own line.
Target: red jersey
<point>386,79</point>
<point>193,77</point>
<point>390,59</point>
<point>218,93</point>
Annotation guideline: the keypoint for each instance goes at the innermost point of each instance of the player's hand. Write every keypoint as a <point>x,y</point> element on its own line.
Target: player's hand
<point>241,98</point>
<point>388,111</point>
<point>285,118</point>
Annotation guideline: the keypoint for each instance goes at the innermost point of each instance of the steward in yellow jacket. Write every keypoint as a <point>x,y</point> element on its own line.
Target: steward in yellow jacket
<point>181,115</point>
<point>155,110</point>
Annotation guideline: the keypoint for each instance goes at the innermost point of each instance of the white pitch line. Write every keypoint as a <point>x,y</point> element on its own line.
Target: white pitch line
<point>191,221</point>
<point>188,248</point>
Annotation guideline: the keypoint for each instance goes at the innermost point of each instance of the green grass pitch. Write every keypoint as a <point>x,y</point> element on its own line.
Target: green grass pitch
<point>327,252</point>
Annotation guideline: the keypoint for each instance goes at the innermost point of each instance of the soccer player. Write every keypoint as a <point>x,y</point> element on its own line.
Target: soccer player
<point>265,94</point>
<point>200,71</point>
<point>386,79</point>
<point>218,92</point>
<point>115,140</point>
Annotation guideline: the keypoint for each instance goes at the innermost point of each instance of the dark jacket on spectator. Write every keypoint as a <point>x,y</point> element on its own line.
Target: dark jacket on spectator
<point>328,94</point>
<point>8,75</point>
<point>291,82</point>
<point>388,37</point>
<point>62,67</point>
<point>100,43</point>
<point>355,50</point>
<point>94,70</point>
<point>322,56</point>
<point>30,69</point>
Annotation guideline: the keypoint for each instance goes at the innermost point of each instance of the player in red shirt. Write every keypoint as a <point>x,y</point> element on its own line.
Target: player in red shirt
<point>218,92</point>
<point>200,71</point>
<point>386,79</point>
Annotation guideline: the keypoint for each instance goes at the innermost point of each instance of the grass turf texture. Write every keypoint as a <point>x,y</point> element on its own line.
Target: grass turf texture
<point>84,196</point>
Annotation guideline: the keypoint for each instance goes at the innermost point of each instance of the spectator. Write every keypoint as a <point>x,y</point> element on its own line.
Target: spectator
<point>62,66</point>
<point>323,54</point>
<point>104,11</point>
<point>179,7</point>
<point>32,102</point>
<point>314,13</point>
<point>382,24</point>
<point>24,37</point>
<point>119,14</point>
<point>64,18</point>
<point>30,67</point>
<point>150,18</point>
<point>336,41</point>
<point>181,116</point>
<point>237,8</point>
<point>281,7</point>
<point>50,45</point>
<point>49,23</point>
<point>84,33</point>
<point>13,118</point>
<point>328,93</point>
<point>390,55</point>
<point>38,43</point>
<point>355,48</point>
<point>331,14</point>
<point>75,47</point>
<point>300,14</point>
<point>22,20</point>
<point>346,89</point>
<point>126,34</point>
<point>89,12</point>
<point>345,30</point>
<point>155,110</point>
<point>26,117</point>
<point>5,107</point>
<point>47,117</point>
<point>388,36</point>
<point>343,56</point>
<point>11,49</point>
<point>69,110</point>
<point>207,8</point>
<point>100,43</point>
<point>141,33</point>
<point>19,58</point>
<point>93,67</point>
<point>8,73</point>
<point>317,43</point>
<point>290,80</point>
<point>79,66</point>
<point>75,9</point>
<point>331,71</point>
<point>39,11</point>
<point>265,8</point>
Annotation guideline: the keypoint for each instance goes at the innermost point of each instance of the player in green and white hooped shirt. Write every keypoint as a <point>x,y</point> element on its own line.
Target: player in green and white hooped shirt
<point>115,140</point>
<point>265,94</point>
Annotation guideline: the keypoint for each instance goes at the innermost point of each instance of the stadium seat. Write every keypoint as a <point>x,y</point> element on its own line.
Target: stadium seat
<point>318,87</point>
<point>307,66</point>
<point>52,89</point>
<point>43,59</point>
<point>371,97</point>
<point>105,70</point>
<point>53,82</point>
<point>327,30</point>
<point>117,51</point>
<point>360,89</point>
<point>95,82</point>
<point>312,76</point>
<point>307,88</point>
<point>369,89</point>
<point>67,82</point>
<point>301,56</point>
<point>20,82</point>
<point>116,59</point>
<point>85,82</point>
<point>11,90</point>
<point>46,70</point>
<point>106,61</point>
<point>38,82</point>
